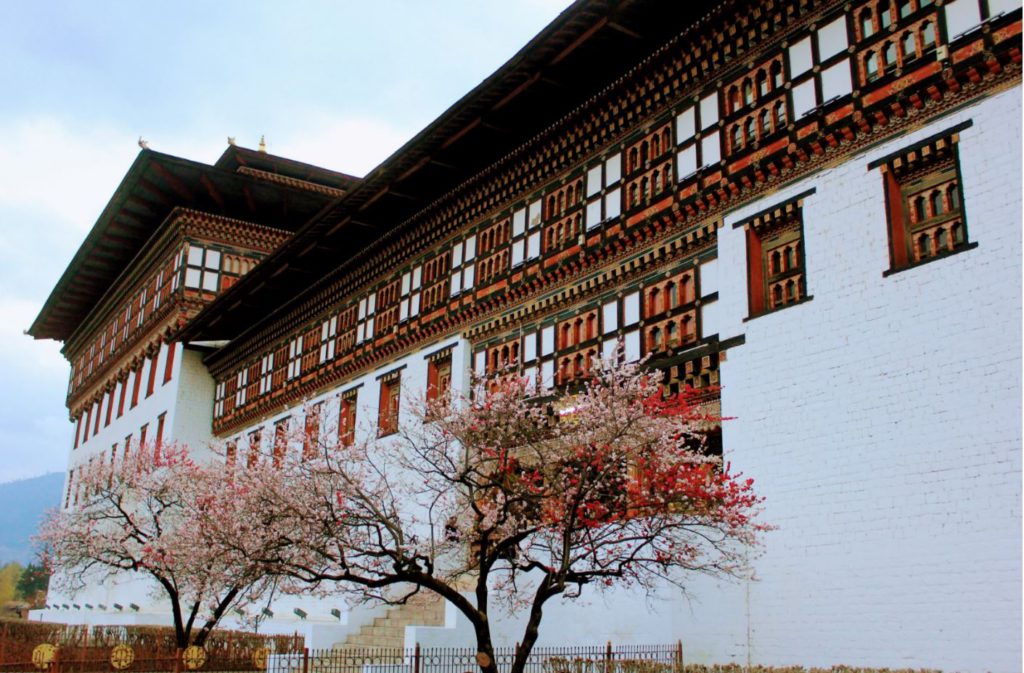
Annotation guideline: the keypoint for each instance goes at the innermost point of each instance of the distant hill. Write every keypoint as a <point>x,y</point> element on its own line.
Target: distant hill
<point>22,504</point>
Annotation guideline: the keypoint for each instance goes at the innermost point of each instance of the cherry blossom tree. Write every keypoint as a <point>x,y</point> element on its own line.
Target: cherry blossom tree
<point>153,515</point>
<point>510,499</point>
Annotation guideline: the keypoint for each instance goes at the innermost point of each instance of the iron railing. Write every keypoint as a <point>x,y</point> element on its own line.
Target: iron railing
<point>587,659</point>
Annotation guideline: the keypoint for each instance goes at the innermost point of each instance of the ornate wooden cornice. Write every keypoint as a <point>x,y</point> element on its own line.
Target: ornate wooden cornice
<point>837,132</point>
<point>291,182</point>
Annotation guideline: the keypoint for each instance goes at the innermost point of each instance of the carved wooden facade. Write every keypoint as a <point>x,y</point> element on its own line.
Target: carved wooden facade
<point>719,116</point>
<point>197,257</point>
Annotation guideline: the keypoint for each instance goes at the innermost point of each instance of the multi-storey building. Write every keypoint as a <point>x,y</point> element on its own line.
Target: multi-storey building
<point>812,207</point>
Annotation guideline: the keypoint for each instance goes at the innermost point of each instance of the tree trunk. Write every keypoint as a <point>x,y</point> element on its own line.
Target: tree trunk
<point>215,618</point>
<point>180,633</point>
<point>544,592</point>
<point>485,648</point>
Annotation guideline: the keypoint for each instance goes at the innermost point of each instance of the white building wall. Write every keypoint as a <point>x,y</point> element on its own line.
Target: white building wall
<point>190,420</point>
<point>881,420</point>
<point>413,388</point>
<point>187,402</point>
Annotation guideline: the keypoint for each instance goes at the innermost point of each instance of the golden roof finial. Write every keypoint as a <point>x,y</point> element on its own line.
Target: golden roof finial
<point>263,144</point>
<point>231,141</point>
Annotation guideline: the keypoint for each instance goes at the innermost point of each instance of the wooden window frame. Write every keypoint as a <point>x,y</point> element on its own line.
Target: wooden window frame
<point>365,318</point>
<point>160,431</point>
<point>410,298</point>
<point>598,199</point>
<point>348,410</point>
<point>439,377</point>
<point>390,405</point>
<point>121,398</point>
<point>462,273</point>
<point>255,439</point>
<point>311,435</point>
<point>933,166</point>
<point>328,339</point>
<point>772,229</point>
<point>280,442</point>
<point>204,269</point>
<point>169,363</point>
<point>110,407</point>
<point>97,417</point>
<point>527,233</point>
<point>137,385</point>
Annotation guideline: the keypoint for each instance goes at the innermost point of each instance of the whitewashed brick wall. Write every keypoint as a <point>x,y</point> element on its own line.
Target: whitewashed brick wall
<point>882,422</point>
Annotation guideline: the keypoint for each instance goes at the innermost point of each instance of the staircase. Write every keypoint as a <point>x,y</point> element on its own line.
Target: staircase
<point>388,631</point>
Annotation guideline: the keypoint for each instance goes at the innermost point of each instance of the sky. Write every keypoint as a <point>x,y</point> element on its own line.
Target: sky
<point>341,84</point>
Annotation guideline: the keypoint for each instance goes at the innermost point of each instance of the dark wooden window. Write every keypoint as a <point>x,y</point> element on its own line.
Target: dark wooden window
<point>97,414</point>
<point>160,430</point>
<point>137,384</point>
<point>390,403</point>
<point>169,364</point>
<point>280,441</point>
<point>311,437</point>
<point>151,383</point>
<point>71,481</point>
<point>121,398</point>
<point>775,258</point>
<point>347,419</point>
<point>924,203</point>
<point>110,407</point>
<point>439,377</point>
<point>255,438</point>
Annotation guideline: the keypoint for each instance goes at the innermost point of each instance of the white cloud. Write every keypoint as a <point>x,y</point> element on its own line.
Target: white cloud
<point>67,173</point>
<point>554,6</point>
<point>21,351</point>
<point>353,145</point>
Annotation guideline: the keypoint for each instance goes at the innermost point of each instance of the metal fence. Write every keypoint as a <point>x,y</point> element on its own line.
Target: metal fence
<point>595,659</point>
<point>59,648</point>
<point>71,658</point>
<point>127,659</point>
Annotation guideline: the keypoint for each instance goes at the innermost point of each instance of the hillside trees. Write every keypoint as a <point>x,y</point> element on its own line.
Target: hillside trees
<point>32,583</point>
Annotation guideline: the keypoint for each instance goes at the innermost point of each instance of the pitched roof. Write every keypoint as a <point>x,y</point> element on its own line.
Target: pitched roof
<point>582,51</point>
<point>154,185</point>
<point>236,157</point>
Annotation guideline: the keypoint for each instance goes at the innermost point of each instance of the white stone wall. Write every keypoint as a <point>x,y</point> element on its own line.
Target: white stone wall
<point>190,420</point>
<point>881,420</point>
<point>187,401</point>
<point>413,388</point>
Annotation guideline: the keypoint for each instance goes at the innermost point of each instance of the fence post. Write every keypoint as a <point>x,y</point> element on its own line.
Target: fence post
<point>416,659</point>
<point>55,664</point>
<point>680,662</point>
<point>177,659</point>
<point>608,657</point>
<point>305,660</point>
<point>3,644</point>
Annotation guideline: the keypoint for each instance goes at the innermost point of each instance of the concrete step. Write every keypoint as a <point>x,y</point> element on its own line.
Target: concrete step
<point>388,630</point>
